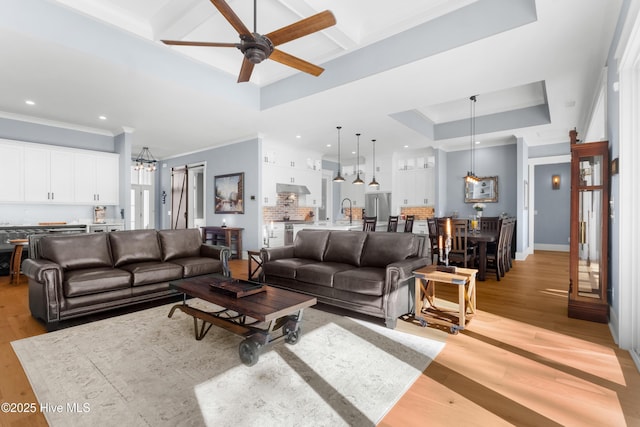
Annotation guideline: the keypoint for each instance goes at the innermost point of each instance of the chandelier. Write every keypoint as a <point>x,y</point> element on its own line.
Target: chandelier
<point>145,160</point>
<point>471,177</point>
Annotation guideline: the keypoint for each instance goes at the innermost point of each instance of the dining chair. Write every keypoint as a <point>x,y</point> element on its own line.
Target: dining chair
<point>462,253</point>
<point>432,225</point>
<point>369,223</point>
<point>495,253</point>
<point>392,225</point>
<point>490,223</point>
<point>408,223</point>
<point>511,225</point>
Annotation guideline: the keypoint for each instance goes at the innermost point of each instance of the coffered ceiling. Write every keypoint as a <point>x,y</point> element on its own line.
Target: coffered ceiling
<point>399,72</point>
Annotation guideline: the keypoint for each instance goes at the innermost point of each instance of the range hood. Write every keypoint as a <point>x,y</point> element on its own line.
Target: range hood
<point>292,188</point>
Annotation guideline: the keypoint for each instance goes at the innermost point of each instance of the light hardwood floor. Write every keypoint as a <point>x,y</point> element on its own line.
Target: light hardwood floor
<point>521,361</point>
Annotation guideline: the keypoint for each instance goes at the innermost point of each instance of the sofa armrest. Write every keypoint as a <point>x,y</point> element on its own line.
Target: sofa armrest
<point>404,269</point>
<point>45,289</point>
<point>219,252</point>
<point>272,254</point>
<point>36,269</point>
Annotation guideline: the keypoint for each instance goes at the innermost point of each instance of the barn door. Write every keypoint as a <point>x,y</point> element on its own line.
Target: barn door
<point>179,197</point>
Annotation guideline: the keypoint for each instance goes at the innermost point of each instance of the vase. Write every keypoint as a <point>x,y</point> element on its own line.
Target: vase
<point>479,214</point>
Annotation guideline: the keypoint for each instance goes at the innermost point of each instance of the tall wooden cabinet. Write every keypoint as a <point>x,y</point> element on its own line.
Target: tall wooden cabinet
<point>589,231</point>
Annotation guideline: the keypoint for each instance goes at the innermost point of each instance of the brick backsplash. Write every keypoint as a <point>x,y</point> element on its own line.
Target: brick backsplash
<point>421,213</point>
<point>286,206</point>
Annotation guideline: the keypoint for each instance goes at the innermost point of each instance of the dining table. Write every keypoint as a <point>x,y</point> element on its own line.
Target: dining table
<point>482,238</point>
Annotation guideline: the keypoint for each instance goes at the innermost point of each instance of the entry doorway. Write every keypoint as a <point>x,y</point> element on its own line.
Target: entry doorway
<point>142,200</point>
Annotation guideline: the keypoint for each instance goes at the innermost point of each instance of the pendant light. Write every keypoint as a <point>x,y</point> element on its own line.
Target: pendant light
<point>339,177</point>
<point>471,177</point>
<point>373,182</point>
<point>358,181</point>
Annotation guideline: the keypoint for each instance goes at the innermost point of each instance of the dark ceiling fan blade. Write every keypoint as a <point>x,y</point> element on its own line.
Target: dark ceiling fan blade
<point>231,16</point>
<point>206,44</point>
<point>245,71</point>
<point>295,62</point>
<point>304,27</point>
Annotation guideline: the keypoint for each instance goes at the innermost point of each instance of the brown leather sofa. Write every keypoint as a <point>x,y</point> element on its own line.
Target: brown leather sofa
<point>366,272</point>
<point>75,275</point>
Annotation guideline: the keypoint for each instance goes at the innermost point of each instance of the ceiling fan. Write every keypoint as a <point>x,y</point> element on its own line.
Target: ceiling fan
<point>257,47</point>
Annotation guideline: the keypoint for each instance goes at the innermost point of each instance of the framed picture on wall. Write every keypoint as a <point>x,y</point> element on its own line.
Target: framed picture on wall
<point>485,190</point>
<point>229,193</point>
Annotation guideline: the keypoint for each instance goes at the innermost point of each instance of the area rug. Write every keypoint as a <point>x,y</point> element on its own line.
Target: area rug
<point>144,369</point>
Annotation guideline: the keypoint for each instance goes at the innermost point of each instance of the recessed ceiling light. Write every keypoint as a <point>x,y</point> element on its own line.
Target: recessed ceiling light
<point>406,146</point>
<point>353,152</point>
<point>298,136</point>
<point>102,117</point>
<point>29,102</point>
<point>477,142</point>
<point>328,145</point>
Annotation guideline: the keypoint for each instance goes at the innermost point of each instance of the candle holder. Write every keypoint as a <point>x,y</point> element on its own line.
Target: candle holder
<point>446,249</point>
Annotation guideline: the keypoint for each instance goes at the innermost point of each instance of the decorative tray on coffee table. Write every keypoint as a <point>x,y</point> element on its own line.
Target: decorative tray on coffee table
<point>236,288</point>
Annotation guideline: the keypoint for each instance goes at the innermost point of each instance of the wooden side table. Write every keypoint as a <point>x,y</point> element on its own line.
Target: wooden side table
<point>464,278</point>
<point>15,265</point>
<point>227,236</point>
<point>254,266</point>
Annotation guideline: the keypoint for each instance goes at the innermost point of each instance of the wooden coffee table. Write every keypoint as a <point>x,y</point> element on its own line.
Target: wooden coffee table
<point>262,318</point>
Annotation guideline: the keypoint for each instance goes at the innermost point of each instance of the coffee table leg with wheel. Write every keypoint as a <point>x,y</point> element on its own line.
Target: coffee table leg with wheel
<point>249,351</point>
<point>291,329</point>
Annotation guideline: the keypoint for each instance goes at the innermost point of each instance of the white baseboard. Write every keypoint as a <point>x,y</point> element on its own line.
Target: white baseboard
<point>555,248</point>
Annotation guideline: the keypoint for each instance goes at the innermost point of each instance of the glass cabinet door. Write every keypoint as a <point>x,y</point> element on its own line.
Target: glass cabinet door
<point>589,216</point>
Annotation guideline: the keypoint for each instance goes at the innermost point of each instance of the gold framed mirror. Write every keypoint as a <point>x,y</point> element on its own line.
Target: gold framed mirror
<point>485,190</point>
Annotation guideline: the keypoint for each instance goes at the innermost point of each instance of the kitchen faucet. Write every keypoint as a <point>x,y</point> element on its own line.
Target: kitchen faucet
<point>350,209</point>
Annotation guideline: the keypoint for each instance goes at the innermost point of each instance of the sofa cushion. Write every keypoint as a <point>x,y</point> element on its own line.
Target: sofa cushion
<point>94,280</point>
<point>78,251</point>
<point>363,280</point>
<point>284,267</point>
<point>196,266</point>
<point>310,244</point>
<point>345,247</point>
<point>179,243</point>
<point>382,249</point>
<point>134,246</point>
<point>320,273</point>
<point>144,273</point>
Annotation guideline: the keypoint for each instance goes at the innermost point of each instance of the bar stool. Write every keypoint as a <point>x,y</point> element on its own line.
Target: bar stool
<point>16,259</point>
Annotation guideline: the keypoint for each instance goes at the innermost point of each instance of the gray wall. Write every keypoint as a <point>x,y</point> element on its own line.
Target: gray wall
<point>241,157</point>
<point>552,216</point>
<point>492,161</point>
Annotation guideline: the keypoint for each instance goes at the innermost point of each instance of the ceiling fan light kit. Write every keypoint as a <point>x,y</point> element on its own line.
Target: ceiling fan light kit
<point>257,47</point>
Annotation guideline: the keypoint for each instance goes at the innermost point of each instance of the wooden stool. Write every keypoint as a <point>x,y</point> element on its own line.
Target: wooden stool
<point>254,266</point>
<point>16,259</point>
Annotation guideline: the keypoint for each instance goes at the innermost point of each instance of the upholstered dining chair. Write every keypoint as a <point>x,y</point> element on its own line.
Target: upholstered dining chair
<point>392,225</point>
<point>369,223</point>
<point>408,223</point>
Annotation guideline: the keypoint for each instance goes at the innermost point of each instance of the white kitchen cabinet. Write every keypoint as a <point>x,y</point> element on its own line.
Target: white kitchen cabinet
<point>48,176</point>
<point>96,178</point>
<point>11,170</point>
<point>415,187</point>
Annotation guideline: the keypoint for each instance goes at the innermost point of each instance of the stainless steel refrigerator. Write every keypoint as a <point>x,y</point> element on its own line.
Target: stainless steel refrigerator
<point>378,204</point>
